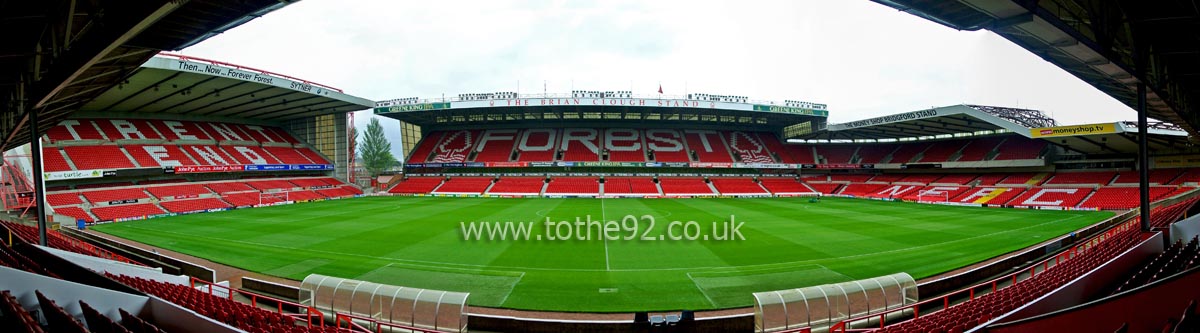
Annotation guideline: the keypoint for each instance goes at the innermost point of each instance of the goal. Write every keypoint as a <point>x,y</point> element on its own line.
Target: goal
<point>933,196</point>
<point>271,198</point>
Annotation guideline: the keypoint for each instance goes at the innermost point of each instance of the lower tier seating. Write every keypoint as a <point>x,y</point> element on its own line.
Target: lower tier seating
<point>574,185</point>
<point>630,186</point>
<point>684,186</point>
<point>740,185</point>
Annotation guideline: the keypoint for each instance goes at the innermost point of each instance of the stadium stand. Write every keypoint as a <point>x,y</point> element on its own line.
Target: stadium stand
<point>907,152</point>
<point>708,146</point>
<point>192,205</point>
<point>177,191</point>
<point>98,157</point>
<point>412,185</point>
<point>109,213</point>
<point>630,186</point>
<point>748,148</point>
<point>978,310</point>
<point>737,186</point>
<point>29,234</point>
<point>518,186</point>
<point>919,178</point>
<point>989,195</point>
<point>684,186</point>
<point>991,178</point>
<point>574,185</point>
<point>230,312</point>
<point>494,146</point>
<point>624,145</point>
<point>465,185</point>
<point>16,319</point>
<point>870,154</point>
<point>941,151</point>
<point>666,145</point>
<point>1123,197</point>
<point>1176,258</point>
<point>783,185</point>
<point>1081,178</point>
<point>1020,148</point>
<point>537,145</point>
<point>826,188</point>
<point>799,154</point>
<point>1051,196</point>
<point>958,179</point>
<point>836,154</point>
<point>53,160</point>
<point>1157,177</point>
<point>580,145</point>
<point>979,149</point>
<point>106,196</point>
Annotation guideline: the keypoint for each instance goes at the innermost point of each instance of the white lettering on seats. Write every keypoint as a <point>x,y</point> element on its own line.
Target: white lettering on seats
<point>177,128</point>
<point>495,135</point>
<point>623,135</point>
<point>523,145</point>
<point>127,129</point>
<point>585,136</point>
<point>226,132</point>
<point>1033,200</point>
<point>159,154</point>
<point>261,131</point>
<point>668,137</point>
<point>209,155</point>
<point>250,155</point>
<point>703,134</point>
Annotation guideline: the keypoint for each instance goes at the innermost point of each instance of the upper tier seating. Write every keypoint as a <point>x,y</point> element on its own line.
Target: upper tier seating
<point>574,185</point>
<point>941,151</point>
<point>93,144</point>
<point>919,178</point>
<point>979,149</point>
<point>227,187</point>
<point>748,148</point>
<point>537,145</point>
<point>871,154</point>
<point>799,154</point>
<point>707,146</point>
<point>907,152</point>
<point>414,185</point>
<point>581,144</point>
<point>684,186</point>
<point>630,186</point>
<point>465,185</point>
<point>518,185</point>
<point>53,160</point>
<point>737,185</point>
<point>98,157</point>
<point>493,146</point>
<point>836,154</point>
<point>856,178</point>
<point>624,145</point>
<point>1020,148</point>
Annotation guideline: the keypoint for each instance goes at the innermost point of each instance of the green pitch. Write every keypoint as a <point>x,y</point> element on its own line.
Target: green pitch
<point>788,243</point>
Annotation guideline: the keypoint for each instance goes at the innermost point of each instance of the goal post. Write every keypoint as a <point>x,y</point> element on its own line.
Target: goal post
<point>269,198</point>
<point>933,195</point>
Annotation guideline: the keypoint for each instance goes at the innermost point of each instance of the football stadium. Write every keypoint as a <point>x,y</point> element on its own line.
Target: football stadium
<point>149,191</point>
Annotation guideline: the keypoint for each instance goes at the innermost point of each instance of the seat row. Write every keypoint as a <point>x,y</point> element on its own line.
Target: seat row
<point>576,185</point>
<point>127,156</point>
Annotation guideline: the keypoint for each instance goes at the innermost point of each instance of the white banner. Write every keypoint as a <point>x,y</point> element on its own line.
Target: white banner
<point>75,174</point>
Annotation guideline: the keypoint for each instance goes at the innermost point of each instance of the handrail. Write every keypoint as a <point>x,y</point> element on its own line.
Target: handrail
<point>226,64</point>
<point>351,325</point>
<point>310,312</point>
<point>994,284</point>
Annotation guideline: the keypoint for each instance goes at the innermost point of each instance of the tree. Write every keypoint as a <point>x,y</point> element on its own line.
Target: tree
<point>376,151</point>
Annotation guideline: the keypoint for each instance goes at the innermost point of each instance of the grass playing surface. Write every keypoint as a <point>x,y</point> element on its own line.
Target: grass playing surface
<point>789,243</point>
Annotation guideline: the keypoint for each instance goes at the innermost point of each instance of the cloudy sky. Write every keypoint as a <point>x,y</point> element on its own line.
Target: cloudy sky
<point>862,59</point>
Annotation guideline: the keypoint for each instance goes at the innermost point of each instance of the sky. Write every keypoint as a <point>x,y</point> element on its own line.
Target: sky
<point>860,58</point>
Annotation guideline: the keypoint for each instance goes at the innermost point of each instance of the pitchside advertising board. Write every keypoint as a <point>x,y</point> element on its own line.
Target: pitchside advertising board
<point>817,110</point>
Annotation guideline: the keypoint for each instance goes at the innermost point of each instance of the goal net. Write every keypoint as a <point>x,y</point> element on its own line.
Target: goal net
<point>933,195</point>
<point>270,198</point>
